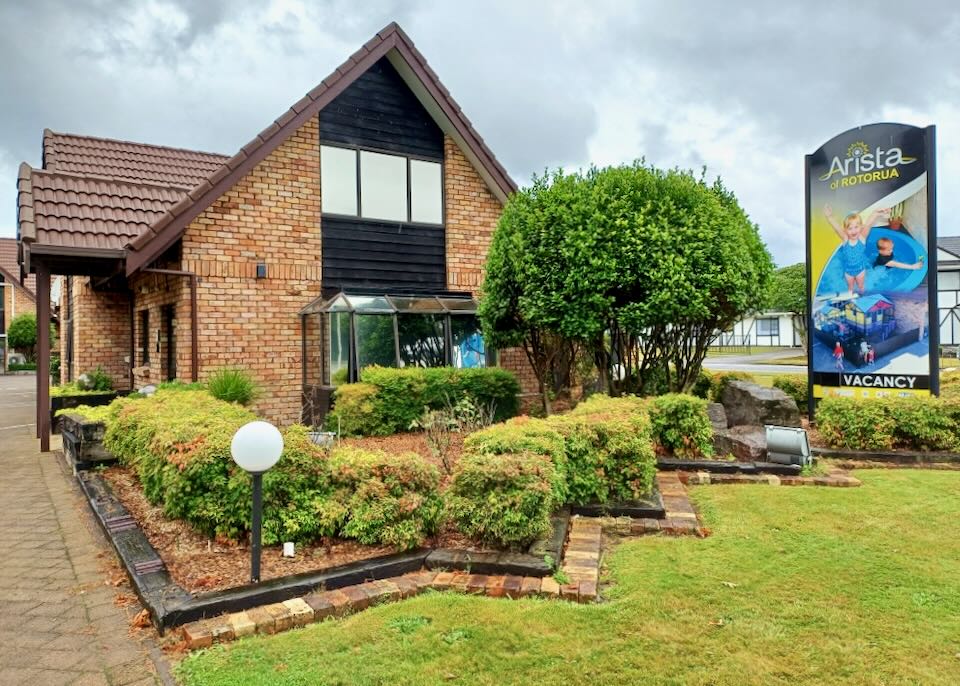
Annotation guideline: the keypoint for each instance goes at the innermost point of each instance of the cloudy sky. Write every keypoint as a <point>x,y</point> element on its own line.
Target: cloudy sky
<point>744,88</point>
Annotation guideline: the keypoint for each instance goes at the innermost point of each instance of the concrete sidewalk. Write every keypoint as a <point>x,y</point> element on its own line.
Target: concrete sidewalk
<point>59,623</point>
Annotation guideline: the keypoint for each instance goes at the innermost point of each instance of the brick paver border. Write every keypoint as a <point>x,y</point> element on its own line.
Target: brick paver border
<point>579,570</point>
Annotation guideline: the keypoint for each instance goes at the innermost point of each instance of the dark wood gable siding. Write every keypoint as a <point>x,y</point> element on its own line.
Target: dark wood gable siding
<point>378,111</point>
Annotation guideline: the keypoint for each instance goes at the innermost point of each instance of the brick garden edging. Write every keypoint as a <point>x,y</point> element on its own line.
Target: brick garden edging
<point>836,479</point>
<point>580,566</point>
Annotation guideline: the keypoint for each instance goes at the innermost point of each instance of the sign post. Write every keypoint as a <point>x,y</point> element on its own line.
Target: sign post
<point>871,264</point>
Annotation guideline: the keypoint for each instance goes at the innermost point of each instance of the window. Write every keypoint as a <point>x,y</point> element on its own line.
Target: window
<point>375,185</point>
<point>338,180</point>
<point>426,192</point>
<point>948,281</point>
<point>144,337</point>
<point>468,348</point>
<point>768,327</point>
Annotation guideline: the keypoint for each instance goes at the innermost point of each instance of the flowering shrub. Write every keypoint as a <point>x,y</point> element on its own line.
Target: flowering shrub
<point>883,423</point>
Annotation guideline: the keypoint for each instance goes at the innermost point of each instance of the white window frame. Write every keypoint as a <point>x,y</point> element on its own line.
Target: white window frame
<point>357,150</point>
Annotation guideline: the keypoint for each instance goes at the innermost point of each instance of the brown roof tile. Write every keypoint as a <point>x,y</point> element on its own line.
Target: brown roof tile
<point>134,162</point>
<point>94,212</point>
<point>11,267</point>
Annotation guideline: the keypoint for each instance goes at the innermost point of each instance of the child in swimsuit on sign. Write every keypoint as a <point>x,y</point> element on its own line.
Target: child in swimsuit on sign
<point>853,250</point>
<point>885,257</point>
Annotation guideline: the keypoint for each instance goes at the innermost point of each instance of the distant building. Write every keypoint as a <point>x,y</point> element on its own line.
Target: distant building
<point>15,297</point>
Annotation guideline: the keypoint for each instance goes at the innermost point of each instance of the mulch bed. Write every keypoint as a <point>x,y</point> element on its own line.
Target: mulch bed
<point>200,564</point>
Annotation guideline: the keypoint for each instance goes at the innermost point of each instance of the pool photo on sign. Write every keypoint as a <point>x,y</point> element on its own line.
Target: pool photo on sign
<point>869,244</point>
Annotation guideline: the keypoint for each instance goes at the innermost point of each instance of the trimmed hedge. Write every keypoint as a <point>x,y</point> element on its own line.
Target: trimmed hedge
<point>681,425</point>
<point>389,399</point>
<point>794,385</point>
<point>505,499</point>
<point>609,452</point>
<point>385,498</point>
<point>917,423</point>
<point>178,443</point>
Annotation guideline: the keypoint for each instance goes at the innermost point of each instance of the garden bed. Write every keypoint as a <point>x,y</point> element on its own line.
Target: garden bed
<point>199,564</point>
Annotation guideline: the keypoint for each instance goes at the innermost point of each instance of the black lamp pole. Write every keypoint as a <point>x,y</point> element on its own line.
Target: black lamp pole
<point>255,533</point>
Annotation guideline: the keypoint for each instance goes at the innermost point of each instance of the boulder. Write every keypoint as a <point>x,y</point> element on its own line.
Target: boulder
<point>746,443</point>
<point>749,404</point>
<point>718,416</point>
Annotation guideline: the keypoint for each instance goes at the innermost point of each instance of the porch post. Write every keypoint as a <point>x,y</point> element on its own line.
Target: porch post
<point>43,358</point>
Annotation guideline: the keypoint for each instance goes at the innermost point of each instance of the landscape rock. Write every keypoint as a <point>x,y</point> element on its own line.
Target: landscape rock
<point>718,416</point>
<point>749,404</point>
<point>745,442</point>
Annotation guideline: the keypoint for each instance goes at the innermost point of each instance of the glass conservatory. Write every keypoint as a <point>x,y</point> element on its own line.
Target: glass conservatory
<point>345,332</point>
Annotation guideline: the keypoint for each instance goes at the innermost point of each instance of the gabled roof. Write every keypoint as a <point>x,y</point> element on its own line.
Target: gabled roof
<point>392,43</point>
<point>11,269</point>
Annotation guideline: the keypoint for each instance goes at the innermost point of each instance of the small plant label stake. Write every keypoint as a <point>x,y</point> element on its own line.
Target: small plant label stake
<point>256,447</point>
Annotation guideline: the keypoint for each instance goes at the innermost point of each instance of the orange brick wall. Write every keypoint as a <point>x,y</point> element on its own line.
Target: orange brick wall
<point>271,216</point>
<point>472,215</point>
<point>151,292</point>
<point>16,301</point>
<point>472,212</point>
<point>101,332</point>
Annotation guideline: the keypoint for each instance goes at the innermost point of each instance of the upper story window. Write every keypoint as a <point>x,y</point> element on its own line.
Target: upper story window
<point>375,185</point>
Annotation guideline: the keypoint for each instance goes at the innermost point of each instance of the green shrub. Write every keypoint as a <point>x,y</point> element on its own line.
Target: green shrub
<point>69,389</point>
<point>609,449</point>
<point>681,425</point>
<point>385,498</point>
<point>924,423</point>
<point>855,423</point>
<point>22,367</point>
<point>402,394</point>
<point>232,385</point>
<point>178,443</point>
<point>97,380</point>
<point>524,435</point>
<point>504,499</point>
<point>55,368</point>
<point>794,385</point>
<point>98,413</point>
<point>356,412</point>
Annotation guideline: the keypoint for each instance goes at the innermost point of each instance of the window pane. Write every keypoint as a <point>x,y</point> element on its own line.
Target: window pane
<point>948,281</point>
<point>465,305</point>
<point>469,349</point>
<point>338,180</point>
<point>383,186</point>
<point>426,192</point>
<point>339,347</point>
<point>768,327</point>
<point>421,340</point>
<point>375,340</point>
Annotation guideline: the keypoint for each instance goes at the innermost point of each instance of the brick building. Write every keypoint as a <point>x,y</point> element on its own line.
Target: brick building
<point>352,230</point>
<point>16,297</point>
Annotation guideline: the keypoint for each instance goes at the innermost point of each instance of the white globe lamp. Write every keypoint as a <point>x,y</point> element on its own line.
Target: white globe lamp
<point>256,447</point>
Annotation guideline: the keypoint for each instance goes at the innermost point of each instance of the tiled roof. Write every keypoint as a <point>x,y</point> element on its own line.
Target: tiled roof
<point>949,243</point>
<point>11,268</point>
<point>135,162</point>
<point>82,211</point>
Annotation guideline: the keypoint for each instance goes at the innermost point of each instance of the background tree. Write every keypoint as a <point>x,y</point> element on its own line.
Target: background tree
<point>22,335</point>
<point>788,293</point>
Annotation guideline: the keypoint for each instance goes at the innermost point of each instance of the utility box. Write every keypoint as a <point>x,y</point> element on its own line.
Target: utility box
<point>788,445</point>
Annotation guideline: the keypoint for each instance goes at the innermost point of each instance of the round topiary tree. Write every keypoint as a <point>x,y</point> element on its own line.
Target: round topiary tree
<point>22,335</point>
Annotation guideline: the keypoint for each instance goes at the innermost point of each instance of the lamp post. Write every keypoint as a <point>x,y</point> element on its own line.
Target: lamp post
<point>256,447</point>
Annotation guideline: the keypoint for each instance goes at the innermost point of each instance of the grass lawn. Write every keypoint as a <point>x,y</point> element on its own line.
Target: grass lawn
<point>796,586</point>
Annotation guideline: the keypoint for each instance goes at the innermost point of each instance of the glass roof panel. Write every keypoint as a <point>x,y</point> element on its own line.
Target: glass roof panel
<point>460,305</point>
<point>338,303</point>
<point>417,304</point>
<point>371,303</point>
